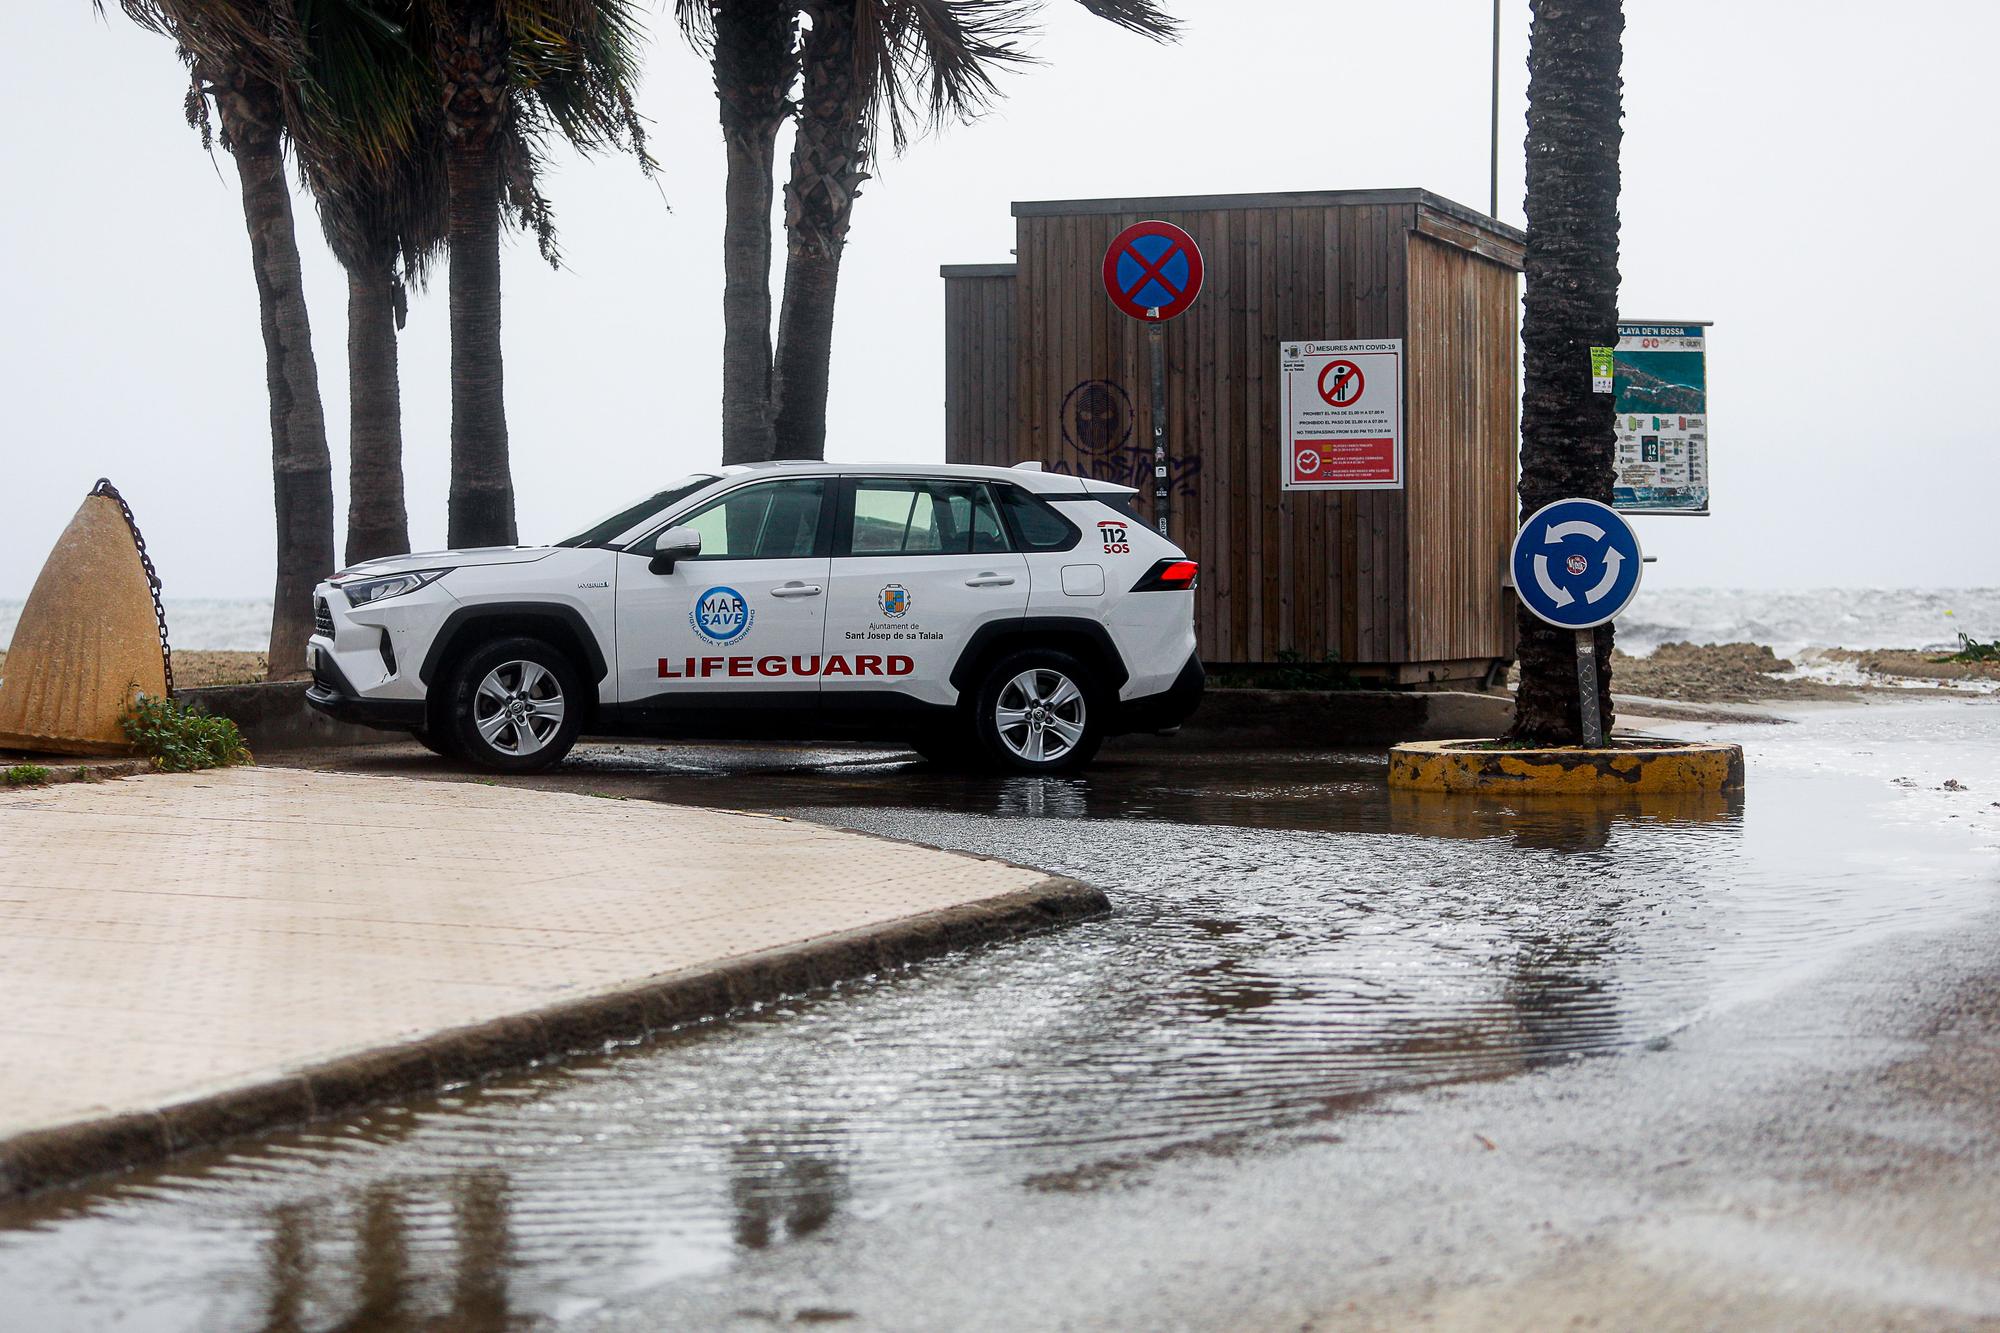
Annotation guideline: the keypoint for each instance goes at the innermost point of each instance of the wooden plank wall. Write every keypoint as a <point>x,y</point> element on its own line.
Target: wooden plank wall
<point>1312,574</point>
<point>979,368</point>
<point>1464,403</point>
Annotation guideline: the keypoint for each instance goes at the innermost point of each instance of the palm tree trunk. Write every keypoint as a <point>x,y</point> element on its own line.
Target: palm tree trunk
<point>1567,439</point>
<point>481,509</point>
<point>377,520</point>
<point>301,468</point>
<point>829,163</point>
<point>754,67</point>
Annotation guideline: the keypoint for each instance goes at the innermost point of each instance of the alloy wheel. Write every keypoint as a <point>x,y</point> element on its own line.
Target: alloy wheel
<point>518,708</point>
<point>1040,715</point>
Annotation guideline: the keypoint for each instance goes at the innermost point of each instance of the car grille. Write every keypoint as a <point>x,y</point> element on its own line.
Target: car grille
<point>322,618</point>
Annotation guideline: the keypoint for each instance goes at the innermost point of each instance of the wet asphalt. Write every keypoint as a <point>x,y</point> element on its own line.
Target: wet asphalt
<point>1340,1057</point>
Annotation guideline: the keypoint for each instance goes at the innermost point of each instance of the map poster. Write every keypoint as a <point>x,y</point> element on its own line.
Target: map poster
<point>1660,392</point>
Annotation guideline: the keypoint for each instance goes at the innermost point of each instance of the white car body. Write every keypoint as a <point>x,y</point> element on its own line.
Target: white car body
<point>843,638</point>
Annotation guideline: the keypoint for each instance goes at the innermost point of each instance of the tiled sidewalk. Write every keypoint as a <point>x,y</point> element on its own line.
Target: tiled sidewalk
<point>168,938</point>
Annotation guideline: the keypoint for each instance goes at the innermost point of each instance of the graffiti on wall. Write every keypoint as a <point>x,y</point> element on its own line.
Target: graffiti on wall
<point>1098,422</point>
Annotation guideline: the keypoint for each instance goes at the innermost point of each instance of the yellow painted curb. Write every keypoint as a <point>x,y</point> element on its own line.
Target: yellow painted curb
<point>1666,767</point>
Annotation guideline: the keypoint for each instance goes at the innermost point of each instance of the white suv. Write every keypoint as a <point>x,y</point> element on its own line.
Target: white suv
<point>1010,616</point>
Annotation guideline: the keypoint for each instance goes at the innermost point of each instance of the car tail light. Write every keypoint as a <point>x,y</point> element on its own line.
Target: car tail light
<point>1169,576</point>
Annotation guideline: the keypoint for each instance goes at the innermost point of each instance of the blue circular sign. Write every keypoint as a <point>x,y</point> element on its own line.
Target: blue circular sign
<point>1576,563</point>
<point>721,615</point>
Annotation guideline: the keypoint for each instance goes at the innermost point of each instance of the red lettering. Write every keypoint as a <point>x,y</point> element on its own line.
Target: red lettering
<point>739,666</point>
<point>901,666</point>
<point>866,665</point>
<point>770,666</point>
<point>805,666</point>
<point>711,666</point>
<point>837,666</point>
<point>667,671</point>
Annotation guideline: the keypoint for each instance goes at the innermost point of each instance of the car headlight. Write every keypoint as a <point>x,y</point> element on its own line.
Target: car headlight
<point>391,585</point>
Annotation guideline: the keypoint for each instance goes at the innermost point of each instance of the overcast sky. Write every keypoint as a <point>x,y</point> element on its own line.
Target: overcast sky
<point>1814,177</point>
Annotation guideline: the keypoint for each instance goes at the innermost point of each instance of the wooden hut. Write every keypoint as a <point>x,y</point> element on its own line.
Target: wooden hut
<point>1401,585</point>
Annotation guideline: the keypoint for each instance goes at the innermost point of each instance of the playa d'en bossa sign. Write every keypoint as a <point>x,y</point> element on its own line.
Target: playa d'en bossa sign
<point>1659,386</point>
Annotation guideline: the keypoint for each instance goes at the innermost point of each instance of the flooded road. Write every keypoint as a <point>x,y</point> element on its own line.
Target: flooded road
<point>1293,949</point>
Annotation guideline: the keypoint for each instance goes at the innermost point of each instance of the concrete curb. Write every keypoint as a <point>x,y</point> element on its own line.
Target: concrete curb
<point>1331,719</point>
<point>274,715</point>
<point>65,1154</point>
<point>1662,768</point>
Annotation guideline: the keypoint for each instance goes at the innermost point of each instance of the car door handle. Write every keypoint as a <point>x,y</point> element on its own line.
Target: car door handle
<point>797,590</point>
<point>988,579</point>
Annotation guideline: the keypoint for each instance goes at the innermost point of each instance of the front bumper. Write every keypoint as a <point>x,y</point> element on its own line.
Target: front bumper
<point>1169,708</point>
<point>333,694</point>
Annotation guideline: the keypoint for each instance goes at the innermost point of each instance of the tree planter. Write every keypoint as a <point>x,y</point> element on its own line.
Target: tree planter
<point>1629,768</point>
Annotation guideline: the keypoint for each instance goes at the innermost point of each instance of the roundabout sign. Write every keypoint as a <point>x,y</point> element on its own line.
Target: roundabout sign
<point>1576,564</point>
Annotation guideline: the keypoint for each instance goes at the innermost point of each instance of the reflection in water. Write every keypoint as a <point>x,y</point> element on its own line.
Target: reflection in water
<point>485,1251</point>
<point>782,1191</point>
<point>1291,939</point>
<point>289,1256</point>
<point>313,1283</point>
<point>385,1259</point>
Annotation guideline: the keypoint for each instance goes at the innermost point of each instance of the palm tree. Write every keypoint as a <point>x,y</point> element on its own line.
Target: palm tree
<point>511,74</point>
<point>1571,305</point>
<point>859,64</point>
<point>239,55</point>
<point>867,62</point>
<point>372,153</point>
<point>753,47</point>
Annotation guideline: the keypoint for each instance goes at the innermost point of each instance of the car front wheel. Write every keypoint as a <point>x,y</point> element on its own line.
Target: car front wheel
<point>1039,712</point>
<point>515,706</point>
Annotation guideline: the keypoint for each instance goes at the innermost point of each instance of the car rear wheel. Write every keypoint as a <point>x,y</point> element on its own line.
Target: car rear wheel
<point>1039,711</point>
<point>515,706</point>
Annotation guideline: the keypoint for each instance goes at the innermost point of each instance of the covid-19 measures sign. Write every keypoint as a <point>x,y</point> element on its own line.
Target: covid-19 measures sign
<point>1660,391</point>
<point>1343,413</point>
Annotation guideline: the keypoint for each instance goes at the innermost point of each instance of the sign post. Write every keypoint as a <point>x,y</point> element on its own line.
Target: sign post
<point>1576,566</point>
<point>1152,272</point>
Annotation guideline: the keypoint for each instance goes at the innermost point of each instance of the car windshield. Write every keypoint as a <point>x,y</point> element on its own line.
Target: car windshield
<point>601,532</point>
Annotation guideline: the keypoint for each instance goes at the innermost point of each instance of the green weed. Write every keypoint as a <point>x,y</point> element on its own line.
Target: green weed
<point>26,775</point>
<point>1291,672</point>
<point>179,739</point>
<point>1972,650</point>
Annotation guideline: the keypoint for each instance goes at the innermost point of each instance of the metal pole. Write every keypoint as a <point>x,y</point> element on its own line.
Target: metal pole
<point>1586,688</point>
<point>1156,335</point>
<point>1493,199</point>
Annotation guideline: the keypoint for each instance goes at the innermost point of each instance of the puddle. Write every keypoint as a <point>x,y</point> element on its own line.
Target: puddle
<point>1291,942</point>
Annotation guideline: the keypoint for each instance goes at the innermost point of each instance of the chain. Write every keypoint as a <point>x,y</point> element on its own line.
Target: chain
<point>105,488</point>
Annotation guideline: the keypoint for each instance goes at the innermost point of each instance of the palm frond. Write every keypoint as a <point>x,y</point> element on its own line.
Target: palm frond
<point>697,23</point>
<point>1148,18</point>
<point>931,62</point>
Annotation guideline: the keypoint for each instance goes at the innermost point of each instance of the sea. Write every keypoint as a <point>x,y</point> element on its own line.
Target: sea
<point>1787,620</point>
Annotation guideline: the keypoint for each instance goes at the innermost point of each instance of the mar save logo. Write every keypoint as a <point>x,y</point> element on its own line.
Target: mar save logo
<point>721,615</point>
<point>1117,541</point>
<point>895,601</point>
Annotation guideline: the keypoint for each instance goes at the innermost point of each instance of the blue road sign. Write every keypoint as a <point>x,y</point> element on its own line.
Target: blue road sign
<point>1576,563</point>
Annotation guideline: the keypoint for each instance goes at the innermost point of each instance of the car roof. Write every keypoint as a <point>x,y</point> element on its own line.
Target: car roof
<point>1032,478</point>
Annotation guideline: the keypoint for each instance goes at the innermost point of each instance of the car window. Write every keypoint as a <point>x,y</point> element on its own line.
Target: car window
<point>770,521</point>
<point>1039,526</point>
<point>612,525</point>
<point>920,517</point>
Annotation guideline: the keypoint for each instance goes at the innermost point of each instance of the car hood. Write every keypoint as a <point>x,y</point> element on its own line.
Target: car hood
<point>480,555</point>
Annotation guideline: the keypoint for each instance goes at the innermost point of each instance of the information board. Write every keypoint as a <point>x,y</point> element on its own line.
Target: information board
<point>1343,413</point>
<point>1660,391</point>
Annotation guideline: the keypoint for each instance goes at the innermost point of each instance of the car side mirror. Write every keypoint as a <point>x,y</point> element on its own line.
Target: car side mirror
<point>671,545</point>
